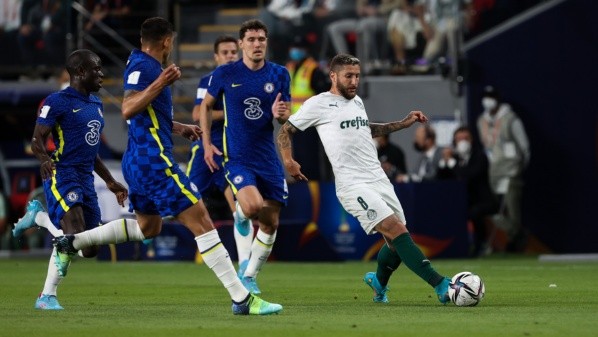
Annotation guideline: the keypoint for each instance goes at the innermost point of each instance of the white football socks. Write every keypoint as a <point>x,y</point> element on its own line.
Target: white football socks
<point>43,220</point>
<point>52,278</point>
<point>216,258</point>
<point>243,242</point>
<point>260,251</point>
<point>117,231</point>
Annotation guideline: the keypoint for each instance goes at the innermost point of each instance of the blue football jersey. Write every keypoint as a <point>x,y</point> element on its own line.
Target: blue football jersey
<point>150,132</point>
<point>248,96</point>
<point>217,126</point>
<point>77,122</point>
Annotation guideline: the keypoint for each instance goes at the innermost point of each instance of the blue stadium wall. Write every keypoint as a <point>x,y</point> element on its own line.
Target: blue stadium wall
<point>547,69</point>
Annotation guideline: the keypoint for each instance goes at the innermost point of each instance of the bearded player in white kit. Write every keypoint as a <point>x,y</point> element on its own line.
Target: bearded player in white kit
<point>362,187</point>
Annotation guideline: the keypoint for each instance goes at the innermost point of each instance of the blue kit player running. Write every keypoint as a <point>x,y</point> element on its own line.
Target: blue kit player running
<point>157,186</point>
<point>254,92</point>
<point>226,50</point>
<point>74,118</point>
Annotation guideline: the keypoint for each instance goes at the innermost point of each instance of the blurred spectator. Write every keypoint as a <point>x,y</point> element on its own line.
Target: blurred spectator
<point>467,162</point>
<point>405,32</point>
<point>307,80</point>
<point>306,77</point>
<point>41,35</point>
<point>446,20</point>
<point>284,18</point>
<point>10,21</point>
<point>116,15</point>
<point>113,13</point>
<point>507,147</point>
<point>370,29</point>
<point>391,157</point>
<point>425,143</point>
<point>323,14</point>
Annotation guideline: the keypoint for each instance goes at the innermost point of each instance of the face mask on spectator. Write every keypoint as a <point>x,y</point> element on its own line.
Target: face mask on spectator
<point>489,103</point>
<point>463,148</point>
<point>296,54</point>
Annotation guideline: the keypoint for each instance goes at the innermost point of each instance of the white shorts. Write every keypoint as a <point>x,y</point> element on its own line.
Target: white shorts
<point>371,203</point>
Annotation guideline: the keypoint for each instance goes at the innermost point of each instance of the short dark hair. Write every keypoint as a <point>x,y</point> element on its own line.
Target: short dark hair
<point>155,29</point>
<point>223,39</point>
<point>252,25</point>
<point>77,59</point>
<point>342,60</point>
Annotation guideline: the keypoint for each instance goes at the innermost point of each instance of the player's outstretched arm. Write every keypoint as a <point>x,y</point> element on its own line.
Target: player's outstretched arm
<point>381,129</point>
<point>286,151</point>
<point>114,186</point>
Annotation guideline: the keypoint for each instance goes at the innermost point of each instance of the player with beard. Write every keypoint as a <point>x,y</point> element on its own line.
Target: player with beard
<point>362,187</point>
<point>157,186</point>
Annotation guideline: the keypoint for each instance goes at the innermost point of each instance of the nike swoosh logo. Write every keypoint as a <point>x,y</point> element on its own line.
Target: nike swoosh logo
<point>285,196</point>
<point>76,110</point>
<point>234,85</point>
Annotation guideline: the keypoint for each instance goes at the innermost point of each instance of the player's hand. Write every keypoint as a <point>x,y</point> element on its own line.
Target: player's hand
<point>415,116</point>
<point>119,190</point>
<point>279,108</point>
<point>294,170</point>
<point>191,132</point>
<point>170,75</point>
<point>208,157</point>
<point>46,169</point>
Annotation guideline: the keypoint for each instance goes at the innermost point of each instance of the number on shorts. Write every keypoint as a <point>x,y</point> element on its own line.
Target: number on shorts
<point>362,203</point>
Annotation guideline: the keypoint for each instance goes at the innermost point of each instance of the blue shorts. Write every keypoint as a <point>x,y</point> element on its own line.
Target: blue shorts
<point>166,192</point>
<point>199,172</point>
<point>270,182</point>
<point>68,188</point>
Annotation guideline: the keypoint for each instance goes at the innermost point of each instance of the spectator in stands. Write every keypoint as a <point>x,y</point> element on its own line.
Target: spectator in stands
<point>467,162</point>
<point>369,25</point>
<point>445,23</point>
<point>425,143</point>
<point>307,79</point>
<point>391,157</point>
<point>323,14</point>
<point>284,18</point>
<point>110,12</point>
<point>10,21</point>
<point>41,35</point>
<point>405,32</point>
<point>507,147</point>
<point>116,15</point>
<point>306,76</point>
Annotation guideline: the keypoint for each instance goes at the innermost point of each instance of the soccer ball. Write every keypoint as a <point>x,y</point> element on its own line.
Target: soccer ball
<point>466,289</point>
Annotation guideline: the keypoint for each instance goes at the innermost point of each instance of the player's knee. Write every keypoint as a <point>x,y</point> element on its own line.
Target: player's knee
<point>251,211</point>
<point>90,252</point>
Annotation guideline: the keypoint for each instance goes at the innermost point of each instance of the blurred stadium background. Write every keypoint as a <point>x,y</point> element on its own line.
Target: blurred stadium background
<point>539,54</point>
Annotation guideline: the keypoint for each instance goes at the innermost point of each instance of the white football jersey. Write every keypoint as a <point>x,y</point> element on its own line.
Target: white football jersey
<point>344,130</point>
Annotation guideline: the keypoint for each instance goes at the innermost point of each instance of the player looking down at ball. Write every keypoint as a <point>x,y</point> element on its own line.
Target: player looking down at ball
<point>362,187</point>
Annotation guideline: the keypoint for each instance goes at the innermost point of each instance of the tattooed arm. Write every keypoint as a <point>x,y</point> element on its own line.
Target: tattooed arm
<point>286,151</point>
<point>380,129</point>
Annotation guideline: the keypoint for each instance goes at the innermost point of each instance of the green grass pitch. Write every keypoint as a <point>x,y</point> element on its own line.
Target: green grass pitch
<point>320,299</point>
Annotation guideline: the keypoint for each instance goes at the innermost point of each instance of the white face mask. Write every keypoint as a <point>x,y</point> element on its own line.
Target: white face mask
<point>463,147</point>
<point>489,103</point>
